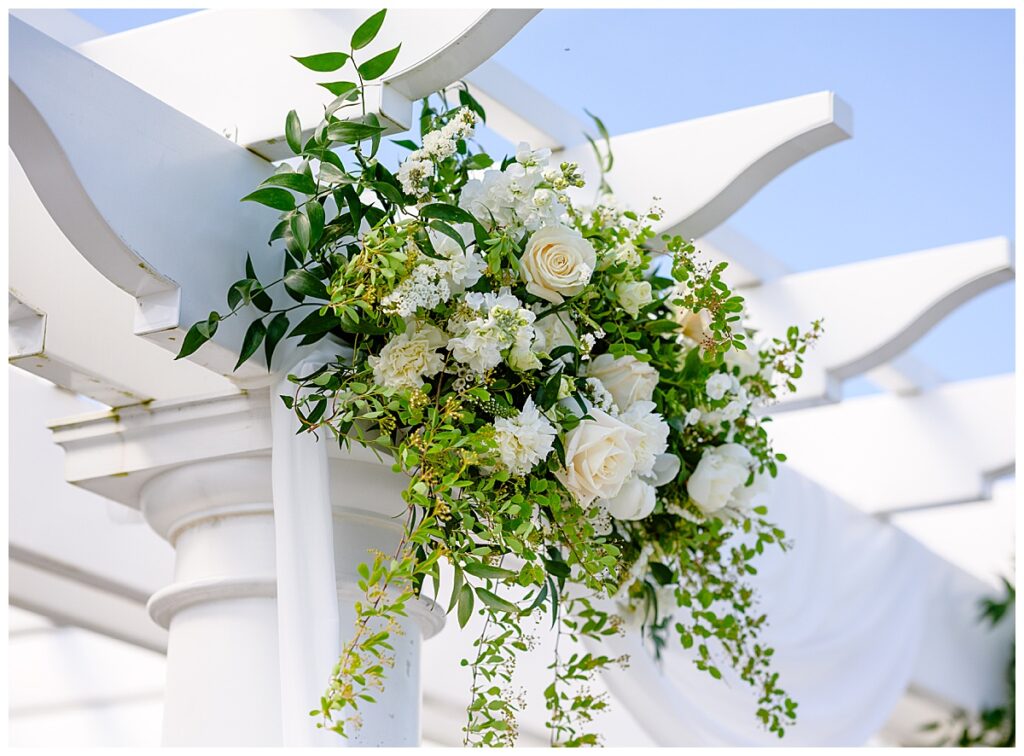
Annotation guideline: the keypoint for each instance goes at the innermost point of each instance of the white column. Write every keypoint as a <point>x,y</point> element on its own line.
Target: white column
<point>220,611</point>
<point>368,513</point>
<point>201,471</point>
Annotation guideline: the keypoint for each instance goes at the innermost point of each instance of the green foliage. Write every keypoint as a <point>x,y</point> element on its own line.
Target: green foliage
<point>521,546</point>
<point>995,726</point>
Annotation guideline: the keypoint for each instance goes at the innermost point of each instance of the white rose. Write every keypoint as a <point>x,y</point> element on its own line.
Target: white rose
<point>634,501</point>
<point>599,457</point>
<point>557,263</point>
<point>633,295</point>
<point>408,358</point>
<point>643,417</point>
<point>720,477</point>
<point>626,378</point>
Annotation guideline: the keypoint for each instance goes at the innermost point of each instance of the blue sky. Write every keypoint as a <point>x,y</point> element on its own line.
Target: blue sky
<point>931,161</point>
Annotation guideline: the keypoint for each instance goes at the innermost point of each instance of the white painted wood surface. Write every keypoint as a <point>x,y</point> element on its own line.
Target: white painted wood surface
<point>874,310</point>
<point>243,89</point>
<point>889,453</point>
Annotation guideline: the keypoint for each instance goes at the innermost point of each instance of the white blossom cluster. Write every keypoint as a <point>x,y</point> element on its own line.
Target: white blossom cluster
<point>415,172</point>
<point>433,281</point>
<point>720,386</point>
<point>514,198</point>
<point>499,325</point>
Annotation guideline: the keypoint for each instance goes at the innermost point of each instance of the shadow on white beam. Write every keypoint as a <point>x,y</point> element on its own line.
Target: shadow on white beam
<point>166,225</point>
<point>894,453</point>
<point>874,310</point>
<point>703,170</point>
<point>245,95</point>
<point>84,341</point>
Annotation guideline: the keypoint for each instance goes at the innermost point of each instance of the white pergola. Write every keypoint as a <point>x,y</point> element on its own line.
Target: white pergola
<point>167,504</point>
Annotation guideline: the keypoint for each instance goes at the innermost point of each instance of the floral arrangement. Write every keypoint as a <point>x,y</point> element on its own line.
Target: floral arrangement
<point>571,398</point>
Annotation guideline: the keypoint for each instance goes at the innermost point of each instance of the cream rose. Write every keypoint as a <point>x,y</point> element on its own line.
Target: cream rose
<point>634,501</point>
<point>626,378</point>
<point>408,358</point>
<point>633,295</point>
<point>694,325</point>
<point>599,457</point>
<point>720,478</point>
<point>558,263</point>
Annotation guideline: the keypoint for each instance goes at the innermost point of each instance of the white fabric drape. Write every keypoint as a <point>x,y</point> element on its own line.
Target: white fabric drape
<point>847,607</point>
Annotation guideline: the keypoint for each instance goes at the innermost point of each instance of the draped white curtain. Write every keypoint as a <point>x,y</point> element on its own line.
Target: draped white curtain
<point>847,607</point>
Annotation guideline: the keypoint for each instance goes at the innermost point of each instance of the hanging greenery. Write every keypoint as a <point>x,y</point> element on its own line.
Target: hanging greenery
<point>571,397</point>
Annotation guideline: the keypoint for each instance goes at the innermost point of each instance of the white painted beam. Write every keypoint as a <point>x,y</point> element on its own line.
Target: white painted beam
<point>520,113</point>
<point>242,90</point>
<point>77,332</point>
<point>166,226</point>
<point>874,310</point>
<point>703,170</point>
<point>893,453</point>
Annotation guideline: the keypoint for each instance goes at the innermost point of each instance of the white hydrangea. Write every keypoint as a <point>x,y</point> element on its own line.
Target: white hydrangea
<point>502,324</point>
<point>524,440</point>
<point>693,416</point>
<point>513,198</point>
<point>409,357</point>
<point>643,417</point>
<point>462,267</point>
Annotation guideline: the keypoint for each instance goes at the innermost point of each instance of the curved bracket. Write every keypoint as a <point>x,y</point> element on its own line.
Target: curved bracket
<point>704,170</point>
<point>166,225</point>
<point>901,298</point>
<point>245,94</point>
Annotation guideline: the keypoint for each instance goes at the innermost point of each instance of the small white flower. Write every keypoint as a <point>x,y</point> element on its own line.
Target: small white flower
<point>693,416</point>
<point>717,385</point>
<point>524,440</point>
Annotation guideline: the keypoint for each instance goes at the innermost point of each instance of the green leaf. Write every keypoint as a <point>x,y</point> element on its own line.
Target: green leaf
<point>315,212</point>
<point>444,212</point>
<point>303,282</point>
<point>301,231</point>
<point>479,161</point>
<point>251,342</point>
<point>338,88</point>
<point>351,132</point>
<point>465,604</point>
<point>496,602</point>
<point>367,30</point>
<point>378,65</point>
<point>197,335</point>
<point>314,323</point>
<point>407,143</point>
<point>329,61</point>
<point>293,132</point>
<point>480,570</point>
<point>457,583</point>
<point>276,330</point>
<point>279,199</point>
<point>297,182</point>
<point>451,233</point>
